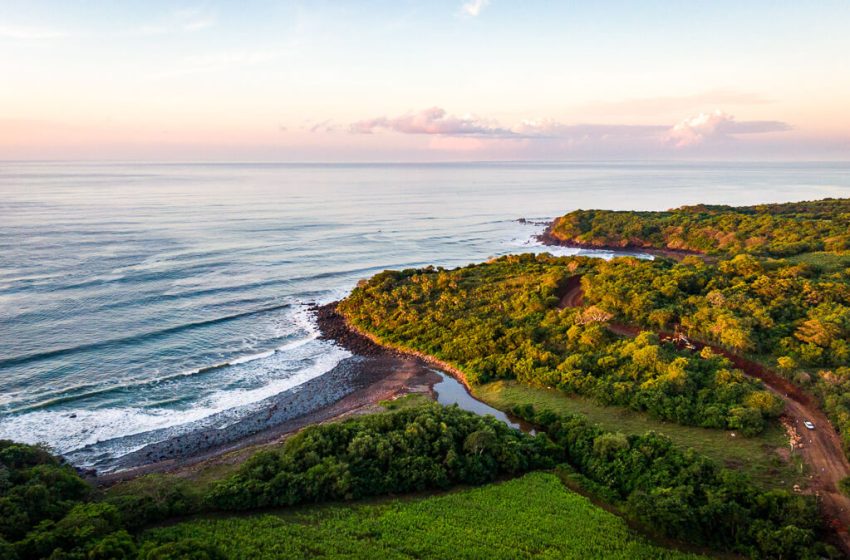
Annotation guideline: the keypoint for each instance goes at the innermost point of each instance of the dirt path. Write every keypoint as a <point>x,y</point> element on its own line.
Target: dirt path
<point>821,447</point>
<point>570,293</point>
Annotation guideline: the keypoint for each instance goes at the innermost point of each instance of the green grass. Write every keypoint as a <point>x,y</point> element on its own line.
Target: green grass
<point>826,262</point>
<point>410,400</point>
<point>531,517</point>
<point>756,456</point>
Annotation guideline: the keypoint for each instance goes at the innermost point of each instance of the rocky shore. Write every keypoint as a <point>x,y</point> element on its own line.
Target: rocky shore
<point>548,238</point>
<point>355,385</point>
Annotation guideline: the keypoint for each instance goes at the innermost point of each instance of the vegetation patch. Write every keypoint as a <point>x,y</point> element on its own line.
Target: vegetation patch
<point>414,449</point>
<point>529,517</point>
<point>683,495</point>
<point>766,229</point>
<point>755,456</point>
<point>502,320</point>
<point>795,318</point>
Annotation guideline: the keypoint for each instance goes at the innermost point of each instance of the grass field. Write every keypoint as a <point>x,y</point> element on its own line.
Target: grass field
<point>827,262</point>
<point>756,456</point>
<point>531,517</point>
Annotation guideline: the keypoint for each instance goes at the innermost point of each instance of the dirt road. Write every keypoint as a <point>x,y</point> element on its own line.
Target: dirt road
<point>821,447</point>
<point>570,293</point>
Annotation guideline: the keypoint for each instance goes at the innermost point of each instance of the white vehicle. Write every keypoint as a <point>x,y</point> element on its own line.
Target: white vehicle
<point>809,425</point>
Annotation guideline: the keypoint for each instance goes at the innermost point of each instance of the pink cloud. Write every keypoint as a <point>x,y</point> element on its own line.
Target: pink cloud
<point>433,120</point>
<point>705,130</point>
<point>717,126</point>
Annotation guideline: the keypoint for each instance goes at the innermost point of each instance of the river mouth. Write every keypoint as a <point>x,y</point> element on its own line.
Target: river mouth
<point>450,391</point>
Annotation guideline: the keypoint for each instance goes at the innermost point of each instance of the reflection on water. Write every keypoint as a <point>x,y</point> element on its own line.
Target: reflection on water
<point>451,391</point>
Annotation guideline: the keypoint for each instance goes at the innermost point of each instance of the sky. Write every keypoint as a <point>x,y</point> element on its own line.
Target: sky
<point>440,80</point>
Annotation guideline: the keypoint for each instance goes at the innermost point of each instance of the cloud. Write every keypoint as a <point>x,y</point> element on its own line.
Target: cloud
<point>186,21</point>
<point>194,20</point>
<point>180,21</point>
<point>708,132</point>
<point>432,121</point>
<point>436,121</point>
<point>473,7</point>
<point>322,126</point>
<point>548,128</point>
<point>716,127</point>
<point>218,61</point>
<point>29,33</point>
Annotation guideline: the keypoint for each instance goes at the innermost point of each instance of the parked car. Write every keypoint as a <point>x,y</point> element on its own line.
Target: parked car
<point>809,425</point>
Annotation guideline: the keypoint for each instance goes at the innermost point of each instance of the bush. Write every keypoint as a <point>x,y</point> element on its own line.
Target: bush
<point>683,495</point>
<point>844,485</point>
<point>185,549</point>
<point>408,450</point>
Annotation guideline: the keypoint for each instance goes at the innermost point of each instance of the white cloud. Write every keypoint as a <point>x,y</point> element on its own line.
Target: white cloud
<point>548,128</point>
<point>218,61</point>
<point>717,126</point>
<point>194,19</point>
<point>186,21</point>
<point>473,7</point>
<point>29,33</point>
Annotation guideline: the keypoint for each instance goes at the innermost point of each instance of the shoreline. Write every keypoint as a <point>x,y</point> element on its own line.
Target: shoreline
<point>547,238</point>
<point>345,332</point>
<point>354,386</point>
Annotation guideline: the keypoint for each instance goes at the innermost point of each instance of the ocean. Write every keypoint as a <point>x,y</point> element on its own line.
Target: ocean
<point>139,301</point>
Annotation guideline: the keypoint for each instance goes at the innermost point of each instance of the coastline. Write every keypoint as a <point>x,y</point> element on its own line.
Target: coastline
<point>345,333</point>
<point>548,238</point>
<point>355,386</point>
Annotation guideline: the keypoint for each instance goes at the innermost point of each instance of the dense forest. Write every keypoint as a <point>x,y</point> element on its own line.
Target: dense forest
<point>682,494</point>
<point>793,316</point>
<point>406,451</point>
<point>502,320</point>
<point>768,229</point>
<point>49,512</point>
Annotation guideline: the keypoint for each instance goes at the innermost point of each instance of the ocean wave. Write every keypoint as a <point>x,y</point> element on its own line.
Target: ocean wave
<point>300,322</point>
<point>534,245</point>
<point>250,358</point>
<point>115,431</point>
<point>134,338</point>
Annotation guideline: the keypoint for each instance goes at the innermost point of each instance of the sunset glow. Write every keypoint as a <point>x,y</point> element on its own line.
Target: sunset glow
<point>404,81</point>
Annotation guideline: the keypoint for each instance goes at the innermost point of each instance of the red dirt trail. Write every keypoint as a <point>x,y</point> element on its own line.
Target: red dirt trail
<point>821,447</point>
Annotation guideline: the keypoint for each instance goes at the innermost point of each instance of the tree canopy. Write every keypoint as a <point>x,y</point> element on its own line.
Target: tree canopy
<point>766,229</point>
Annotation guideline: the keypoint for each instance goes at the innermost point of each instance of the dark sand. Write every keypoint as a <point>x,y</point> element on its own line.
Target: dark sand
<point>354,386</point>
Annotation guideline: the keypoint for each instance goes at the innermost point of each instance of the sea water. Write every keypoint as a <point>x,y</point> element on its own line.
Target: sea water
<point>147,299</point>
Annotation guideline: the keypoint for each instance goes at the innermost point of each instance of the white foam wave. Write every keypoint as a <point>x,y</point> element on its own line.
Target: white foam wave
<point>251,358</point>
<point>532,244</point>
<point>74,429</point>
